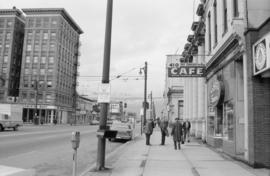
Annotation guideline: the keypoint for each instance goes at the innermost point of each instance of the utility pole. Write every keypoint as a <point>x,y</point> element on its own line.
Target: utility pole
<point>105,79</point>
<point>36,102</point>
<point>151,106</point>
<point>145,93</point>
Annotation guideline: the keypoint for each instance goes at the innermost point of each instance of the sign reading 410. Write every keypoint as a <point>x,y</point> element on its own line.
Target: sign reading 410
<point>186,70</point>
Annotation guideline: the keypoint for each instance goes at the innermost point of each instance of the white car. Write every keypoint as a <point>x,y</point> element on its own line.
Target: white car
<point>124,130</point>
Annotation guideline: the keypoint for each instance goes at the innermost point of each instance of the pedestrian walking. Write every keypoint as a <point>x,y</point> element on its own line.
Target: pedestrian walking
<point>187,126</point>
<point>164,130</point>
<point>177,133</point>
<point>148,130</point>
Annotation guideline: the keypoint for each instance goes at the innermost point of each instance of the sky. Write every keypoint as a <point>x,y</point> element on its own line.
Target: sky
<point>142,30</point>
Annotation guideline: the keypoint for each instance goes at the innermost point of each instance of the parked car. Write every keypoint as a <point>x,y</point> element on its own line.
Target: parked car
<point>124,130</point>
<point>94,122</point>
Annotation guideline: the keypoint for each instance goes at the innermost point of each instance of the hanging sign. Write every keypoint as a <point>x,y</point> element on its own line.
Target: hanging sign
<point>186,71</point>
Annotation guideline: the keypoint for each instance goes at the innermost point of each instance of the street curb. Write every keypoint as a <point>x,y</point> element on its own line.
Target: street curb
<point>93,166</point>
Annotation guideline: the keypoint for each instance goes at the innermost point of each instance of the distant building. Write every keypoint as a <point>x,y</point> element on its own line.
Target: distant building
<point>174,92</point>
<point>11,43</point>
<point>84,110</point>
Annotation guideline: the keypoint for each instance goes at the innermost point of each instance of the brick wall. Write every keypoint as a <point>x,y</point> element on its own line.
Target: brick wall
<point>259,106</point>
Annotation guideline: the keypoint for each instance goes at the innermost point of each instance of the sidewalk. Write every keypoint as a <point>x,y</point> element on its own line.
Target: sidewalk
<point>194,159</point>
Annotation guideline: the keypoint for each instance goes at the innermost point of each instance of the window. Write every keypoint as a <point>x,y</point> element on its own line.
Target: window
<point>30,35</point>
<point>43,60</point>
<point>2,23</point>
<point>209,32</point>
<point>35,65</point>
<point>45,36</point>
<point>5,60</point>
<point>8,36</point>
<point>42,71</point>
<point>9,23</point>
<point>215,21</point>
<point>235,8</point>
<point>35,71</point>
<point>225,20</point>
<point>51,60</point>
<point>31,22</point>
<point>29,47</point>
<point>42,66</point>
<point>48,98</point>
<point>49,84</point>
<point>27,65</point>
<point>32,97</point>
<point>228,124</point>
<point>46,22</point>
<point>35,59</point>
<point>38,22</point>
<point>54,23</point>
<point>26,71</point>
<point>24,95</point>
<point>27,59</point>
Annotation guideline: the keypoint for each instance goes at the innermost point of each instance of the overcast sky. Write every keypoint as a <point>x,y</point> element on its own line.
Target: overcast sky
<point>142,30</point>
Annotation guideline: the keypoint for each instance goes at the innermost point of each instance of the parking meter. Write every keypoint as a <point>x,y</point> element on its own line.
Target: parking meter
<point>75,139</point>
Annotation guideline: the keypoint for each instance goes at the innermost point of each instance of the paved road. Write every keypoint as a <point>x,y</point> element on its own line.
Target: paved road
<point>48,150</point>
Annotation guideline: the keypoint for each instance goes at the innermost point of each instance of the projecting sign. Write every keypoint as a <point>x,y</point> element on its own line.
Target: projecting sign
<point>186,71</point>
<point>104,93</point>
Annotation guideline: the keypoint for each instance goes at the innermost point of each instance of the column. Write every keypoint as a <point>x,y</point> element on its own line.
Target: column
<point>201,94</point>
<point>195,99</point>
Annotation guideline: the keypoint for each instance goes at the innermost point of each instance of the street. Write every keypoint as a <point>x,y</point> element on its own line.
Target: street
<point>47,149</point>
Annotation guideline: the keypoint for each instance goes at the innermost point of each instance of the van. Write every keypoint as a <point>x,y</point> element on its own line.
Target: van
<point>10,116</point>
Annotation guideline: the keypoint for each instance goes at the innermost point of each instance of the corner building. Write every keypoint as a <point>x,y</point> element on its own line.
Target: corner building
<point>49,65</point>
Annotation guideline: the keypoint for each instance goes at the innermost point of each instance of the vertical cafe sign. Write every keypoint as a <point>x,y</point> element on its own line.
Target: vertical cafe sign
<point>186,70</point>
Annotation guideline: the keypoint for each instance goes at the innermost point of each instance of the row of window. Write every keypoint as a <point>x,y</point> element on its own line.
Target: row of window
<point>224,18</point>
<point>44,22</point>
<point>6,23</point>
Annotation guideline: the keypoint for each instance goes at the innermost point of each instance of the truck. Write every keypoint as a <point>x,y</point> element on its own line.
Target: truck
<point>10,116</point>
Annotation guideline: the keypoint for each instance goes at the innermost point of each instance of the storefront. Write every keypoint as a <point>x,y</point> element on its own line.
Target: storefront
<point>225,100</point>
<point>46,114</point>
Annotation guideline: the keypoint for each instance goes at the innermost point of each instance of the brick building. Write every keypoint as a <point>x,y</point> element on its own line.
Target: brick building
<point>49,65</point>
<point>11,41</point>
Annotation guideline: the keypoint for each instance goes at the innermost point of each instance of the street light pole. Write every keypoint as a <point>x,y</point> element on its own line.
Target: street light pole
<point>36,102</point>
<point>105,79</point>
<point>145,93</point>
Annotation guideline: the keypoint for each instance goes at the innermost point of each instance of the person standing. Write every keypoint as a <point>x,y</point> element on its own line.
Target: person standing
<point>177,133</point>
<point>164,131</point>
<point>187,127</point>
<point>148,130</point>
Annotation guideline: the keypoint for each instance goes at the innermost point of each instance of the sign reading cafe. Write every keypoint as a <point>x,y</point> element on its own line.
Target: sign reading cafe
<point>186,70</point>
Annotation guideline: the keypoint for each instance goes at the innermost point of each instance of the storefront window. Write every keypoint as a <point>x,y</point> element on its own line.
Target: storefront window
<point>219,121</point>
<point>228,121</point>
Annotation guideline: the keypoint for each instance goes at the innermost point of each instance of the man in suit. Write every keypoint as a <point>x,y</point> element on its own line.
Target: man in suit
<point>177,133</point>
<point>164,131</point>
<point>187,127</point>
<point>148,130</point>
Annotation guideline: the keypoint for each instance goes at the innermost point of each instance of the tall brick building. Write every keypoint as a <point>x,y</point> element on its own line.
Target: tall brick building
<point>11,41</point>
<point>39,51</point>
<point>49,65</point>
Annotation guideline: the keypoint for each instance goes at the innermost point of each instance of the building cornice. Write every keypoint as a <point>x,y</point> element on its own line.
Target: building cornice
<point>223,52</point>
<point>60,11</point>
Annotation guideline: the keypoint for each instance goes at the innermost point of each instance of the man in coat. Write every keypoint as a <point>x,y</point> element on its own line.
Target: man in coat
<point>177,133</point>
<point>187,127</point>
<point>164,131</point>
<point>148,130</point>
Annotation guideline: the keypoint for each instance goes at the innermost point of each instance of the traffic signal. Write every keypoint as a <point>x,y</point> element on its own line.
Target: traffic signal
<point>125,105</point>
